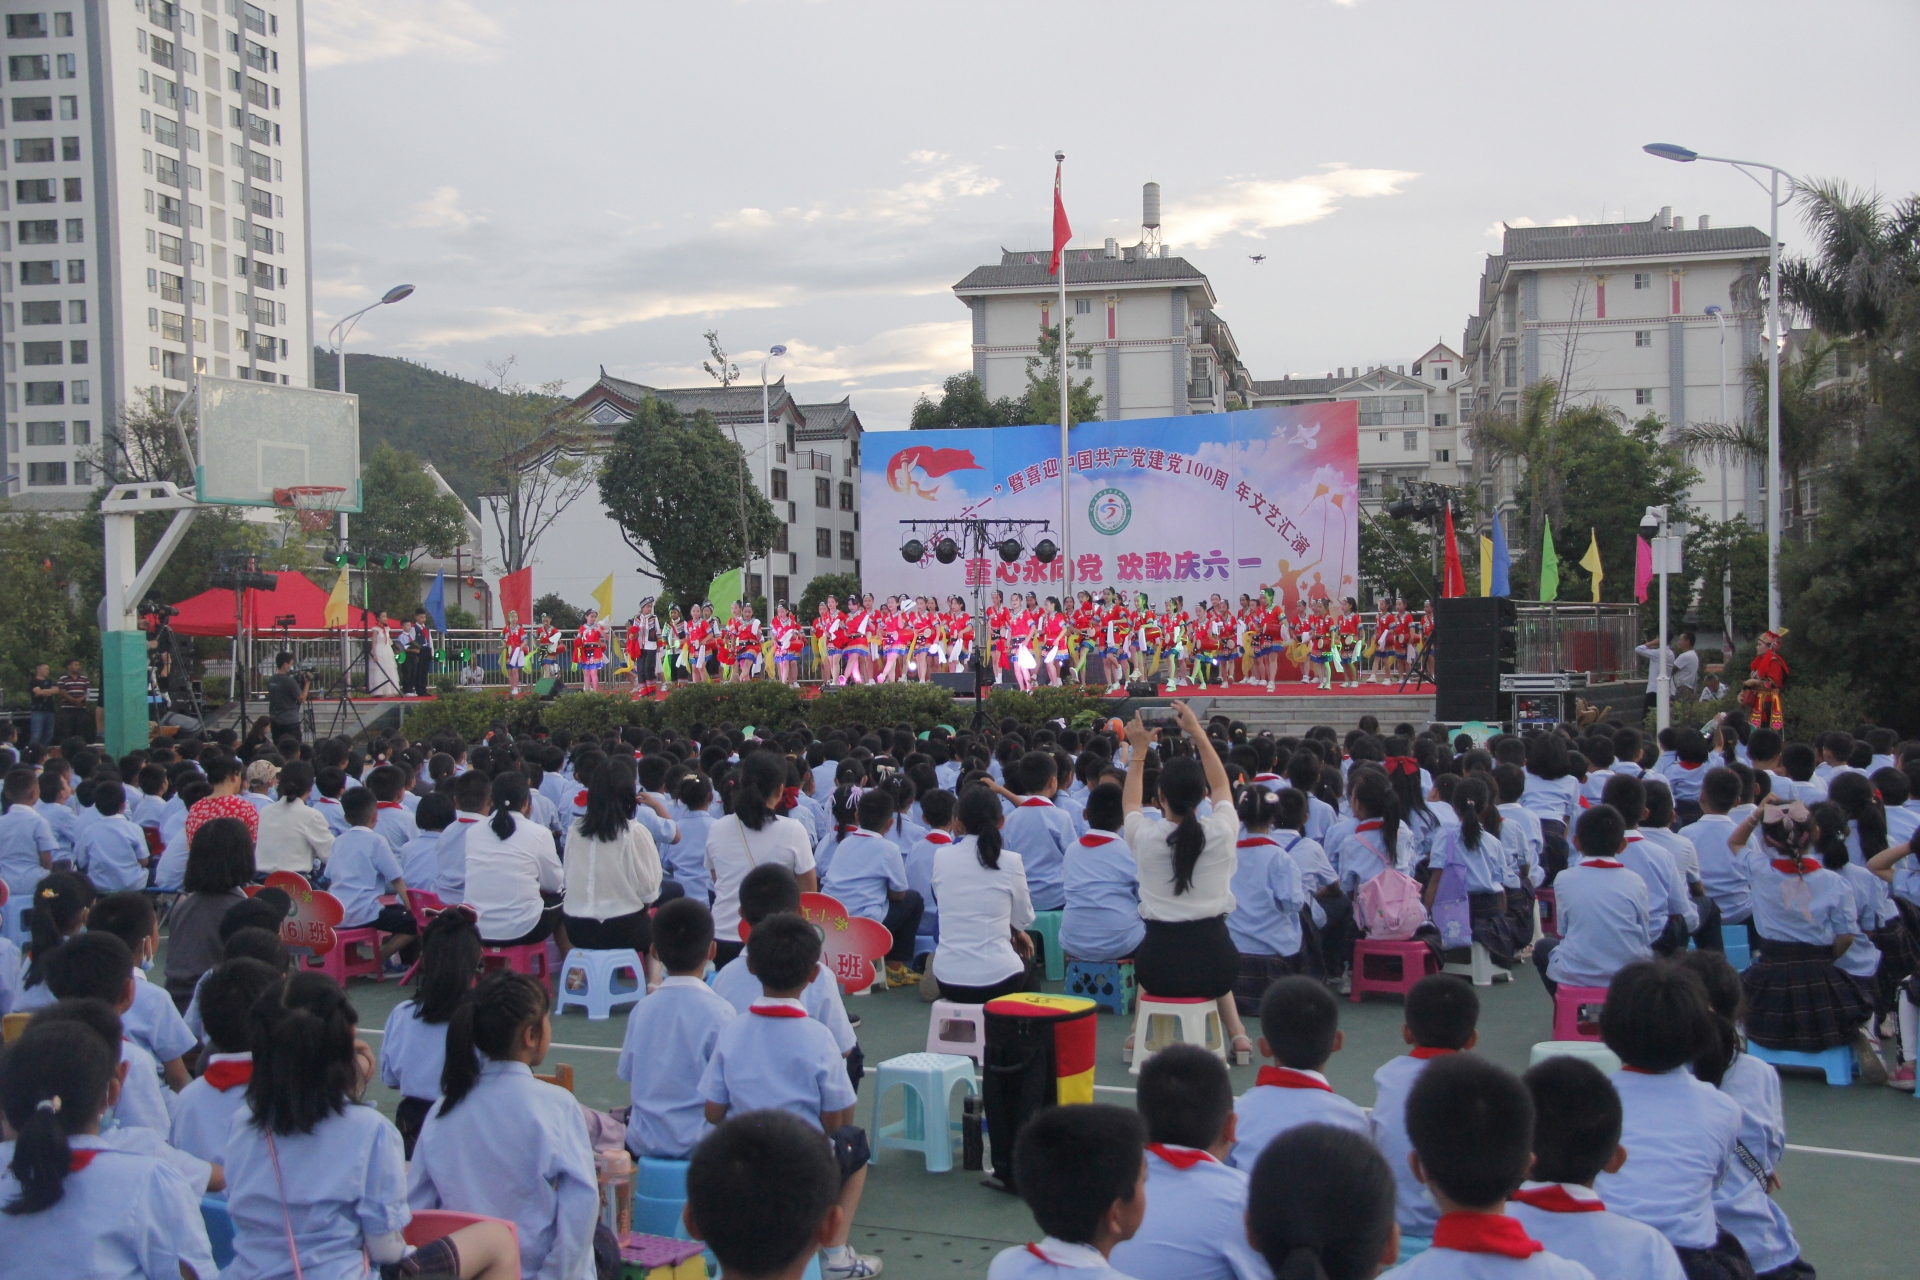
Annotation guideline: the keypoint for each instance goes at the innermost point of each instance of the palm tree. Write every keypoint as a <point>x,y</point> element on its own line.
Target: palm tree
<point>1530,441</point>
<point>1866,256</point>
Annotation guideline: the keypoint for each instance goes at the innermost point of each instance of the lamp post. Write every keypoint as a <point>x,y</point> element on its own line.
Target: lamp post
<point>1668,539</point>
<point>766,462</point>
<point>1776,502</point>
<point>1719,315</point>
<point>337,338</point>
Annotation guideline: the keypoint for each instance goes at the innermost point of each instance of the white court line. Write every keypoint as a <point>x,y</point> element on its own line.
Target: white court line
<point>590,1048</point>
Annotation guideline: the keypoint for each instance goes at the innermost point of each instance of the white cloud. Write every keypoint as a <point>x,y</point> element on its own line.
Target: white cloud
<point>341,32</point>
<point>488,323</point>
<point>910,204</point>
<point>1253,207</point>
<point>442,212</point>
<point>1498,230</point>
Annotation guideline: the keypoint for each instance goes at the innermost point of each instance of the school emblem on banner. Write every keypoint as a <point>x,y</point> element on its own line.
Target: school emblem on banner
<point>1110,511</point>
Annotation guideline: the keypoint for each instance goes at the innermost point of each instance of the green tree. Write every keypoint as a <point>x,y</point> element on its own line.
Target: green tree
<point>1396,557</point>
<point>534,459</point>
<point>1611,477</point>
<point>1712,547</point>
<point>963,403</point>
<point>1042,402</point>
<point>841,586</point>
<point>43,622</point>
<point>404,513</point>
<point>672,484</point>
<point>563,615</point>
<point>1866,259</point>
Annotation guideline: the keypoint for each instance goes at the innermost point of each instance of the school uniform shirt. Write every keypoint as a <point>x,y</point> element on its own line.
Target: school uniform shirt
<point>733,850</point>
<point>340,1184</point>
<point>514,1148</point>
<point>1267,898</point>
<point>362,866</point>
<point>505,877</point>
<point>329,809</point>
<point>11,973</point>
<point>1489,1246</point>
<point>203,1113</point>
<point>25,834</point>
<point>670,1038</point>
<point>61,818</point>
<point>1052,1259</point>
<point>1041,832</point>
<point>1556,799</point>
<point>293,837</point>
<point>1740,1201</point>
<point>420,860</point>
<point>1679,1135</point>
<point>392,820</point>
<point>154,1024</point>
<point>1683,779</point>
<point>122,1214</point>
<point>1320,818</point>
<point>1606,923</point>
<point>821,999</point>
<point>1666,887</point>
<point>197,1172</point>
<point>1872,907</point>
<point>1413,1208</point>
<point>1359,853</point>
<point>775,1057</point>
<point>1810,792</point>
<point>111,853</point>
<point>1195,1226</point>
<point>143,1099</point>
<point>1101,920</point>
<point>608,879</point>
<point>412,1053</point>
<point>919,864</point>
<point>1284,1098</point>
<point>1575,1223</point>
<point>979,909</point>
<point>1485,862</point>
<point>1816,907</point>
<point>1680,849</point>
<point>1727,876</point>
<point>866,867</point>
<point>450,858</point>
<point>1527,823</point>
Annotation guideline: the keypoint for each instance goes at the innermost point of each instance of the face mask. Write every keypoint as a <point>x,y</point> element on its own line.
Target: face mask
<point>146,965</point>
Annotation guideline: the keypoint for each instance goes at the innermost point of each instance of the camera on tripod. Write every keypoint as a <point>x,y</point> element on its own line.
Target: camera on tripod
<point>158,610</point>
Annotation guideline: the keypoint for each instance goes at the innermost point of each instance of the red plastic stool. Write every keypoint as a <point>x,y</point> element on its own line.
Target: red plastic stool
<point>531,959</point>
<point>1416,961</point>
<point>1549,912</point>
<point>1568,1005</point>
<point>343,962</point>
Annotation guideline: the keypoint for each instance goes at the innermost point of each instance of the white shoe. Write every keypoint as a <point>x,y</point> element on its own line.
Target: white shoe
<point>1269,686</point>
<point>852,1266</point>
<point>1344,984</point>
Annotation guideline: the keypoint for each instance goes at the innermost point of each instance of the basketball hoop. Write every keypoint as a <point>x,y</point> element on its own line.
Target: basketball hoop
<point>314,504</point>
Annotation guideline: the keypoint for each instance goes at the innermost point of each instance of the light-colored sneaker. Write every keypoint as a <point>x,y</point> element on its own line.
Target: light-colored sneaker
<point>898,975</point>
<point>1902,1078</point>
<point>1344,984</point>
<point>850,1266</point>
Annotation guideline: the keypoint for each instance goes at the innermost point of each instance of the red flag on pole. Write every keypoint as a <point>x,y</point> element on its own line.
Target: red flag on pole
<point>516,596</point>
<point>1456,579</point>
<point>1061,231</point>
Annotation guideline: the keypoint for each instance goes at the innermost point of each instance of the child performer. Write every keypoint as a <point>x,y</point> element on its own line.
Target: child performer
<point>590,649</point>
<point>787,644</point>
<point>825,643</point>
<point>546,642</point>
<point>1053,641</point>
<point>746,653</point>
<point>513,645</point>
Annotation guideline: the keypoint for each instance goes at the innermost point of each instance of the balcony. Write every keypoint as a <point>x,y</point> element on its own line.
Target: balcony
<point>1197,389</point>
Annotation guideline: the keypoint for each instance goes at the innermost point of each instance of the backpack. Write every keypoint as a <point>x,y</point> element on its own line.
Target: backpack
<point>1388,906</point>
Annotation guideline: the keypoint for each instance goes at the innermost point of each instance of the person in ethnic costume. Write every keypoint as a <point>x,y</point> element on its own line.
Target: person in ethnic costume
<point>1766,679</point>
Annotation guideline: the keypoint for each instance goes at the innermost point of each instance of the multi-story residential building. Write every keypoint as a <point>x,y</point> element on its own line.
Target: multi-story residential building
<point>805,459</point>
<point>156,177</point>
<point>1646,318</point>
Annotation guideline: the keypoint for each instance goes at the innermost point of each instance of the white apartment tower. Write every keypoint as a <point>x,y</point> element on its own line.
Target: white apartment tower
<point>155,214</point>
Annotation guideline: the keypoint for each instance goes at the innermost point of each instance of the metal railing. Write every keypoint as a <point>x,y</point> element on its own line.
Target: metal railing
<point>1595,638</point>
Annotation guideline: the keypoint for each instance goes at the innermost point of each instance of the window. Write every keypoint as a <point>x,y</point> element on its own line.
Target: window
<point>1199,367</point>
<point>166,170</point>
<point>82,391</point>
<point>46,433</point>
<point>1843,361</point>
<point>77,351</point>
<point>40,353</point>
<point>256,56</point>
<point>846,496</point>
<point>1439,419</point>
<point>29,66</point>
<point>70,190</point>
<point>76,312</point>
<point>172,287</point>
<point>69,148</point>
<point>46,473</point>
<point>39,273</point>
<point>65,66</point>
<point>76,270</point>
<point>33,110</point>
<point>823,543</point>
<point>63,24</point>
<point>39,313</point>
<point>1509,367</point>
<point>169,211</point>
<point>822,492</point>
<point>254,17</point>
<point>172,326</point>
<point>1083,306</point>
<point>43,231</point>
<point>82,432</point>
<point>846,544</point>
<point>33,150</point>
<point>173,365</point>
<point>1441,373</point>
<point>1442,455</point>
<point>46,393</point>
<point>69,107</point>
<point>779,485</point>
<point>1643,337</point>
<point>780,539</point>
<point>1643,395</point>
<point>35,190</point>
<point>1643,279</point>
<point>781,585</point>
<point>1410,441</point>
<point>26,26</point>
<point>162,52</point>
<point>1084,360</point>
<point>169,248</point>
<point>793,513</point>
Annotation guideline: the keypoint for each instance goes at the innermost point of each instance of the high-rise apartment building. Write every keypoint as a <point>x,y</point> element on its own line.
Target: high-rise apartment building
<point>155,219</point>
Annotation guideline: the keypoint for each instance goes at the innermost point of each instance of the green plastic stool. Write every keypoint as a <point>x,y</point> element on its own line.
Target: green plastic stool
<point>1047,925</point>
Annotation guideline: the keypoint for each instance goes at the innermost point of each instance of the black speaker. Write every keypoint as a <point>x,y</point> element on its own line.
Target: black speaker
<point>964,684</point>
<point>1456,706</point>
<point>1143,689</point>
<point>1474,644</point>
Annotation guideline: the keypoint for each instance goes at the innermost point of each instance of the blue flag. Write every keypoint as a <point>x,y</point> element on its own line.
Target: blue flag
<point>1501,560</point>
<point>436,602</point>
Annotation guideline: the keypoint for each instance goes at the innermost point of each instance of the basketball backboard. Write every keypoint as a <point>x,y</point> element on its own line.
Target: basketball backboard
<point>256,437</point>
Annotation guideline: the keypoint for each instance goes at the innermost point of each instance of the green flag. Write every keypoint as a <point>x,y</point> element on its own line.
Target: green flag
<point>724,592</point>
<point>1549,564</point>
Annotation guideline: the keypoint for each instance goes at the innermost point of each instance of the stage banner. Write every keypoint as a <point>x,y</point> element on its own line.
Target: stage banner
<point>1189,506</point>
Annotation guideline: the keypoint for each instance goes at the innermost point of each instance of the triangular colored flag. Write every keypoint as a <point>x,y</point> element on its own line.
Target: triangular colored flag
<point>1061,231</point>
<point>1591,563</point>
<point>516,594</point>
<point>336,614</point>
<point>1486,565</point>
<point>1643,569</point>
<point>1502,561</point>
<point>1549,563</point>
<point>436,602</point>
<point>724,593</point>
<point>603,598</point>
<point>1456,578</point>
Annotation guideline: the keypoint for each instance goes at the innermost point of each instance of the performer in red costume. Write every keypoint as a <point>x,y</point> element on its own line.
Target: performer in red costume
<point>1767,677</point>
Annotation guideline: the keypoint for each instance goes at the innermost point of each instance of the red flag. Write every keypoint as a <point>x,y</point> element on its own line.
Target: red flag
<point>1456,579</point>
<point>516,596</point>
<point>1061,231</point>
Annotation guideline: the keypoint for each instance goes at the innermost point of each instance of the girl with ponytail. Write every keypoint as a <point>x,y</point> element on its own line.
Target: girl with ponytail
<point>500,1142</point>
<point>754,831</point>
<point>61,902</point>
<point>514,871</point>
<point>1475,848</point>
<point>985,908</point>
<point>67,1195</point>
<point>1837,836</point>
<point>1320,1206</point>
<point>1267,895</point>
<point>413,1049</point>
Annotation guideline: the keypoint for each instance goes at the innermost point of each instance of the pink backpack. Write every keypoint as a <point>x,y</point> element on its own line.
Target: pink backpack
<point>1388,906</point>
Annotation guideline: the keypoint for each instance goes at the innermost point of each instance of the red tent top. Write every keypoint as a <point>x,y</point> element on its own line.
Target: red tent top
<point>211,612</point>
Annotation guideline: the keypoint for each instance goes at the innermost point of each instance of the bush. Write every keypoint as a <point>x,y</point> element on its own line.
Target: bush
<point>599,712</point>
<point>841,586</point>
<point>764,704</point>
<point>1068,703</point>
<point>467,713</point>
<point>1809,709</point>
<point>921,706</point>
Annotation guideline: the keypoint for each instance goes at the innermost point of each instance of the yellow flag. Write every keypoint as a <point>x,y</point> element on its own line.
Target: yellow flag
<point>336,615</point>
<point>1591,563</point>
<point>603,597</point>
<point>1486,565</point>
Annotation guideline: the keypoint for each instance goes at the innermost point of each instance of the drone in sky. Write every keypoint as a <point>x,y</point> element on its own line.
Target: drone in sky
<point>1257,258</point>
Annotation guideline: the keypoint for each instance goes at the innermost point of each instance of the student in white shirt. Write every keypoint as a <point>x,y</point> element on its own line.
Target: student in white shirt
<point>503,1144</point>
<point>203,1114</point>
<point>1553,794</point>
<point>670,1037</point>
<point>413,1048</point>
<point>420,857</point>
<point>1605,917</point>
<point>76,1203</point>
<point>766,891</point>
<point>54,804</point>
<point>612,865</point>
<point>1267,900</point>
<point>1039,830</point>
<point>1299,1031</point>
<point>329,785</point>
<point>981,887</point>
<point>392,820</point>
<point>473,800</point>
<point>513,875</point>
<point>27,843</point>
<point>1082,1170</point>
<point>1195,1225</point>
<point>61,901</point>
<point>361,867</point>
<point>1101,921</point>
<point>113,852</point>
<point>1725,874</point>
<point>1674,914</point>
<point>869,878</point>
<point>1320,1203</point>
<point>753,833</point>
<point>685,860</point>
<point>98,966</point>
<point>152,1022</point>
<point>936,809</point>
<point>1441,1018</point>
<point>294,836</point>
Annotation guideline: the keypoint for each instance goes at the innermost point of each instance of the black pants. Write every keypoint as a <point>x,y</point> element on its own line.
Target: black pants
<point>414,671</point>
<point>1707,937</point>
<point>725,952</point>
<point>903,922</point>
<point>1542,952</point>
<point>980,995</point>
<point>632,932</point>
<point>644,666</point>
<point>288,729</point>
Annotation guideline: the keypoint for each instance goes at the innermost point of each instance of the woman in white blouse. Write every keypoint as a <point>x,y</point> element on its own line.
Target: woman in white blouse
<point>984,907</point>
<point>1186,876</point>
<point>612,865</point>
<point>293,836</point>
<point>754,832</point>
<point>513,874</point>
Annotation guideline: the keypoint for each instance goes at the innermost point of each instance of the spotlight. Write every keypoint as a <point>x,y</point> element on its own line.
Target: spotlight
<point>1010,550</point>
<point>1044,551</point>
<point>1429,509</point>
<point>1404,509</point>
<point>946,551</point>
<point>913,552</point>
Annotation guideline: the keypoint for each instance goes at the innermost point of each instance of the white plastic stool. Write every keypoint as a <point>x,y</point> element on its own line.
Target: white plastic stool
<point>1193,1019</point>
<point>15,911</point>
<point>599,969</point>
<point>959,1029</point>
<point>1482,970</point>
<point>1592,1050</point>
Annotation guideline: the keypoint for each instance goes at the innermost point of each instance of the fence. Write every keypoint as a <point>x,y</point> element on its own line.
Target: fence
<point>1595,638</point>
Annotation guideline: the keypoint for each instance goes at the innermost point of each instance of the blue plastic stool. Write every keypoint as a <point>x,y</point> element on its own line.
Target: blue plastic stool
<point>13,919</point>
<point>1108,983</point>
<point>929,1079</point>
<point>1047,925</point>
<point>213,1211</point>
<point>1734,939</point>
<point>659,1194</point>
<point>923,944</point>
<point>598,971</point>
<point>1836,1062</point>
<point>1414,1246</point>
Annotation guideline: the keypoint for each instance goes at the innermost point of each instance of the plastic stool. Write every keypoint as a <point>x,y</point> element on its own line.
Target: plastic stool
<point>213,1211</point>
<point>1568,1004</point>
<point>929,1079</point>
<point>958,1029</point>
<point>342,963</point>
<point>598,969</point>
<point>924,943</point>
<point>1416,962</point>
<point>1108,983</point>
<point>1733,940</point>
<point>1548,909</point>
<point>1047,925</point>
<point>1836,1062</point>
<point>531,959</point>
<point>1591,1050</point>
<point>1481,969</point>
<point>659,1195</point>
<point>13,917</point>
<point>1196,1019</point>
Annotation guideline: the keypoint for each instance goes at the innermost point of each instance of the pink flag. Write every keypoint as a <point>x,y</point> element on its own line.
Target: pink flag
<point>1642,568</point>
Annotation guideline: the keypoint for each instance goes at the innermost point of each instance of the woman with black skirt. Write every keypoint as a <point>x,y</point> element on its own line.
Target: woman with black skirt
<point>1186,875</point>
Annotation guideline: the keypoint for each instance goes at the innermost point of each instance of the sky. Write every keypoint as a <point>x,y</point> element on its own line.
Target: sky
<point>576,184</point>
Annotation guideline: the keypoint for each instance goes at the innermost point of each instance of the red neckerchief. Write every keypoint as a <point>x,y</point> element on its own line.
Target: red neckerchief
<point>81,1159</point>
<point>789,797</point>
<point>1371,824</point>
<point>1795,867</point>
<point>1036,802</point>
<point>225,1075</point>
<point>1466,1232</point>
<point>1180,1157</point>
<point>1602,864</point>
<point>776,1010</point>
<point>1266,777</point>
<point>1288,1078</point>
<point>1094,839</point>
<point>939,837</point>
<point>1555,1198</point>
<point>1634,835</point>
<point>1689,767</point>
<point>468,821</point>
<point>1257,840</point>
<point>1642,1071</point>
<point>388,804</point>
<point>1424,1052</point>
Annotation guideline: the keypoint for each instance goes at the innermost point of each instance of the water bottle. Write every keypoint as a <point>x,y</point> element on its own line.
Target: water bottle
<point>973,1111</point>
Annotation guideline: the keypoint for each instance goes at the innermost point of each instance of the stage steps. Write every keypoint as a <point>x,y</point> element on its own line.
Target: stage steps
<point>1283,715</point>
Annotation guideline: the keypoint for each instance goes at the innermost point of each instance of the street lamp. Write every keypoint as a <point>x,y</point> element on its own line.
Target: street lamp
<point>337,336</point>
<point>1776,502</point>
<point>766,461</point>
<point>1719,315</point>
<point>1667,540</point>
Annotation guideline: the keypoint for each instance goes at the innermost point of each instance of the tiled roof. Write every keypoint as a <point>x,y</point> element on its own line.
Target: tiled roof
<point>1028,269</point>
<point>738,403</point>
<point>1620,240</point>
<point>835,421</point>
<point>1300,386</point>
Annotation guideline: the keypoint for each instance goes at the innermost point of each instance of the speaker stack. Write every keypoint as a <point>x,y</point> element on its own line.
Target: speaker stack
<point>1474,644</point>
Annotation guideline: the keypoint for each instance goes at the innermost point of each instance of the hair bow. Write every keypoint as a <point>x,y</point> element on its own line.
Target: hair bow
<point>789,797</point>
<point>1402,764</point>
<point>458,909</point>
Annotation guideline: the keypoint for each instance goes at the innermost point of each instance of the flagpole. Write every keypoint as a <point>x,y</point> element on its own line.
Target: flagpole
<point>1066,526</point>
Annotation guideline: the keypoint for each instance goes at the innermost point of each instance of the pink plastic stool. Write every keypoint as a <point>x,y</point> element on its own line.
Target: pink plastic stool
<point>429,1225</point>
<point>531,959</point>
<point>1549,912</point>
<point>1416,961</point>
<point>1568,1004</point>
<point>343,962</point>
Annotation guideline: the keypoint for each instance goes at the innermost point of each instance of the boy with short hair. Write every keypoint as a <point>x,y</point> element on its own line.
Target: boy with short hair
<point>778,1058</point>
<point>472,799</point>
<point>391,819</point>
<point>1674,914</point>
<point>152,1022</point>
<point>1443,1012</point>
<point>936,808</point>
<point>98,966</point>
<point>1576,1138</point>
<point>27,843</point>
<point>113,852</point>
<point>869,877</point>
<point>1798,760</point>
<point>1040,830</point>
<point>1723,874</point>
<point>1196,1203</point>
<point>204,1111</point>
<point>767,890</point>
<point>670,1036</point>
<point>362,867</point>
<point>1605,919</point>
<point>1472,1128</point>
<point>1083,1172</point>
<point>1101,920</point>
<point>328,786</point>
<point>1299,1030</point>
<point>420,856</point>
<point>760,1194</point>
